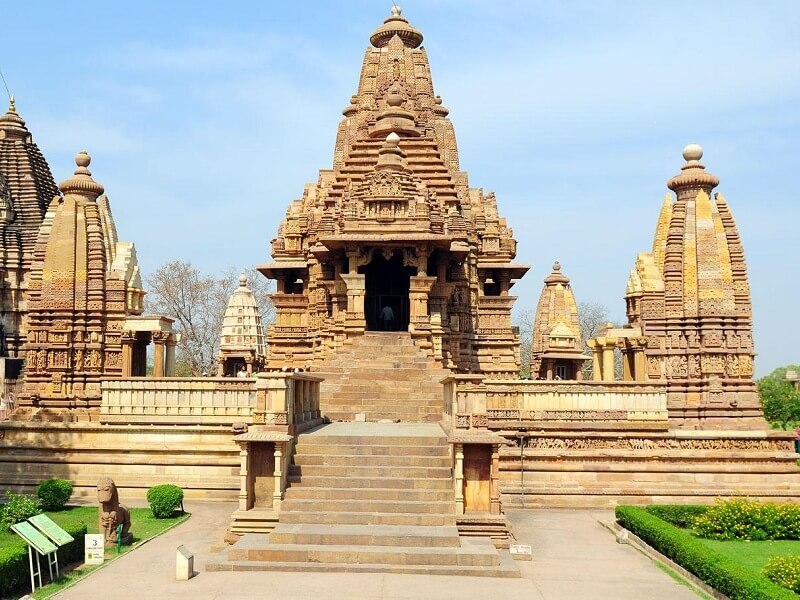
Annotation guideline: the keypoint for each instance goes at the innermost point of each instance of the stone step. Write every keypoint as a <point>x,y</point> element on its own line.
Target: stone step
<point>366,518</point>
<point>380,460</point>
<point>261,550</point>
<point>506,568</point>
<point>348,471</point>
<point>372,440</point>
<point>366,535</point>
<point>371,482</point>
<point>384,506</point>
<point>308,448</point>
<point>361,494</point>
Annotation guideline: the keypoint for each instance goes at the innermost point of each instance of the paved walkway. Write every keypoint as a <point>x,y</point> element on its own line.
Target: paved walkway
<point>574,557</point>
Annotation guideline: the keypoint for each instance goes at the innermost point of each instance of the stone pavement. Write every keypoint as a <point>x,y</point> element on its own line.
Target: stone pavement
<point>574,557</point>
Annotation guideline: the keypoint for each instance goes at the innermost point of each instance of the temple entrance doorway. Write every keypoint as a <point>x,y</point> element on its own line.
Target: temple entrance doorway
<point>386,305</point>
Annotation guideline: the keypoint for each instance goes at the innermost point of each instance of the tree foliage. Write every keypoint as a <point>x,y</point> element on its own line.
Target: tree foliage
<point>197,301</point>
<point>780,399</point>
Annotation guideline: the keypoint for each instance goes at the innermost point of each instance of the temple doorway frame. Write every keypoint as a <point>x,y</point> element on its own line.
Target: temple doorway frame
<point>387,283</point>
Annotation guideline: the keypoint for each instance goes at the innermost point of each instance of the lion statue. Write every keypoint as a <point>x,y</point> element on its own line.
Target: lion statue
<point>112,514</point>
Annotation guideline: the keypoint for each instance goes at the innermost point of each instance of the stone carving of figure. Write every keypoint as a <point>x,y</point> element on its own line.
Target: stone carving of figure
<point>112,514</point>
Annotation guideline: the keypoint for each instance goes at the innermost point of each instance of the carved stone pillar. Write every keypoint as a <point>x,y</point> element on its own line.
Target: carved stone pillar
<point>458,477</point>
<point>597,364</point>
<point>608,361</point>
<point>495,485</point>
<point>244,500</point>
<point>419,291</point>
<point>277,494</point>
<point>128,339</point>
<point>248,361</point>
<point>159,356</point>
<point>169,367</point>
<point>356,290</point>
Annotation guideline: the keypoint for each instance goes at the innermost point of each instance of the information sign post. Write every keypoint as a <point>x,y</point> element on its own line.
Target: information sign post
<point>42,545</point>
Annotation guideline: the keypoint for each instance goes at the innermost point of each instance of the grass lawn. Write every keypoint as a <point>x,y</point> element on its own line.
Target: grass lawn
<point>143,527</point>
<point>754,555</point>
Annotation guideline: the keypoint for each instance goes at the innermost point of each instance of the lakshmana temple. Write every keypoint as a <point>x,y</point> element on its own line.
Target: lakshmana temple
<point>383,411</point>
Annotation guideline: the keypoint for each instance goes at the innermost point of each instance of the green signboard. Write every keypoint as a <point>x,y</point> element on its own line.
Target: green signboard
<point>48,527</point>
<point>35,539</point>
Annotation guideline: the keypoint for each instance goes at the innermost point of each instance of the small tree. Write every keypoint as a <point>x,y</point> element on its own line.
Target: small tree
<point>780,399</point>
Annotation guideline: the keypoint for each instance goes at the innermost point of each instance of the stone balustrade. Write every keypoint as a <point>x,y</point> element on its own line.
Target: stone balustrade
<point>196,401</point>
<point>476,402</point>
<point>290,400</point>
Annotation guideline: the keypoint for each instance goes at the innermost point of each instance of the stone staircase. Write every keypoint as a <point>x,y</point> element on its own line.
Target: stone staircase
<point>369,497</point>
<point>384,376</point>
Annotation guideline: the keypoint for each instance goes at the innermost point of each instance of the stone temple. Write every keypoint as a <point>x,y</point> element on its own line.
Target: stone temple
<point>385,425</point>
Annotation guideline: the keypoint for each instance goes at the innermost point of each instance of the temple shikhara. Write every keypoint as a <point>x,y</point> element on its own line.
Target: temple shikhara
<point>381,417</point>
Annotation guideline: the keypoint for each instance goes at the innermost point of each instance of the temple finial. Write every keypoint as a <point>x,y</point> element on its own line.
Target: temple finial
<point>692,152</point>
<point>243,280</point>
<point>12,108</point>
<point>396,10</point>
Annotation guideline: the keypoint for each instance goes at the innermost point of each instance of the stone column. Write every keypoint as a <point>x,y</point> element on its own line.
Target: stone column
<point>419,291</point>
<point>248,361</point>
<point>128,340</point>
<point>495,475</point>
<point>608,361</point>
<point>277,494</point>
<point>169,368</point>
<point>356,290</point>
<point>159,358</point>
<point>244,500</point>
<point>597,365</point>
<point>459,478</point>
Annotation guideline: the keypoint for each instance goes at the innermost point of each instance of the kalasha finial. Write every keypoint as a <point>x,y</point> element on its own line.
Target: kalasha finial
<point>82,159</point>
<point>81,181</point>
<point>243,280</point>
<point>693,175</point>
<point>396,10</point>
<point>12,108</point>
<point>556,266</point>
<point>693,152</point>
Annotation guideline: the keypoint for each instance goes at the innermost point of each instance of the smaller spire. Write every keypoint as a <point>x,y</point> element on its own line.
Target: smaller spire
<point>81,183</point>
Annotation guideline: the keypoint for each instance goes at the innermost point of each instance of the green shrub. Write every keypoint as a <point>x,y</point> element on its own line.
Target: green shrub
<point>54,493</point>
<point>720,572</point>
<point>741,519</point>
<point>14,575</point>
<point>680,515</point>
<point>18,508</point>
<point>165,500</point>
<point>784,570</point>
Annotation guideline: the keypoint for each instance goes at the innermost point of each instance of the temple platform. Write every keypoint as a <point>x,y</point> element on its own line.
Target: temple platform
<point>369,497</point>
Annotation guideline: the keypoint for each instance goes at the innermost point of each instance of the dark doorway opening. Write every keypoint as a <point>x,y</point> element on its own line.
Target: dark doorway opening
<point>387,283</point>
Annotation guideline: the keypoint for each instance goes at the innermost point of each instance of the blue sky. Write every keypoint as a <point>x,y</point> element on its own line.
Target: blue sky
<point>204,120</point>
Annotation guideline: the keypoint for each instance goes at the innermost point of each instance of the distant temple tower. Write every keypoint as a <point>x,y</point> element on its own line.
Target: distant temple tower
<point>242,345</point>
<point>689,299</point>
<point>26,189</point>
<point>392,238</point>
<point>84,284</point>
<point>557,347</point>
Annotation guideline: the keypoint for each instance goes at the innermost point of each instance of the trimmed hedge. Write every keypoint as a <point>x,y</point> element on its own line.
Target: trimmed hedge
<point>54,493</point>
<point>680,515</point>
<point>14,569</point>
<point>718,571</point>
<point>165,500</point>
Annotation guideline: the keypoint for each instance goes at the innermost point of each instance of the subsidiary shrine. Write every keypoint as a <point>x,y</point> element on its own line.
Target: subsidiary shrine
<point>380,422</point>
